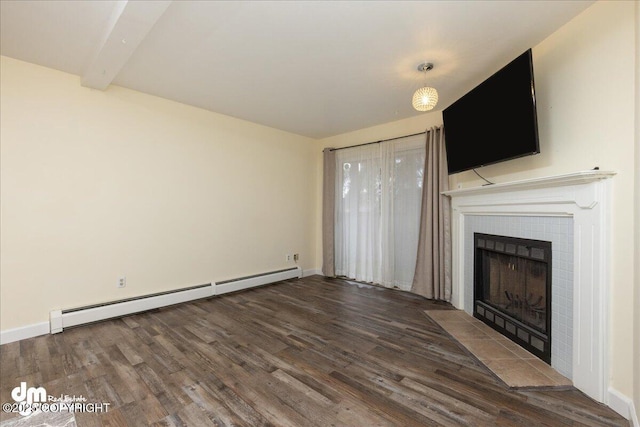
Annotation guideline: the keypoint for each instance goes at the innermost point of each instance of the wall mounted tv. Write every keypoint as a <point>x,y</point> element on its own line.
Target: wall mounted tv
<point>494,122</point>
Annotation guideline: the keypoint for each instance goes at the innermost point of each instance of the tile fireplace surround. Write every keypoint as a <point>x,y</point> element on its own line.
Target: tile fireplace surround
<point>583,198</point>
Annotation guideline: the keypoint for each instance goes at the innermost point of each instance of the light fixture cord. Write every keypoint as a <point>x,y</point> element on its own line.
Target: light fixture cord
<point>424,73</point>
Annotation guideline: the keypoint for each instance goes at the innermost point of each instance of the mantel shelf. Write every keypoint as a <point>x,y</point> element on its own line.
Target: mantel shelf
<point>583,177</point>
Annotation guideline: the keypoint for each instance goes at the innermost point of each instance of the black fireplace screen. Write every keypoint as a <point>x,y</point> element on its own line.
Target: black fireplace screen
<point>516,286</point>
<point>513,289</point>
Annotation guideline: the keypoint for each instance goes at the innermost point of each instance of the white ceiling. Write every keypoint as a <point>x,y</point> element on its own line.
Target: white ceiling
<point>315,68</point>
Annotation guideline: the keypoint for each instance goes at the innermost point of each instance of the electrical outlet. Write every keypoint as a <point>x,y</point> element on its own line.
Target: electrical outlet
<point>296,257</point>
<point>122,282</point>
<point>288,257</point>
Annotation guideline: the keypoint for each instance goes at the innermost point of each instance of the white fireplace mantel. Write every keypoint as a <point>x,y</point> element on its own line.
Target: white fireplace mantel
<point>529,185</point>
<point>584,196</point>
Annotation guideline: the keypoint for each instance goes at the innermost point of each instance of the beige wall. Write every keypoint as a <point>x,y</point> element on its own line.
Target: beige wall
<point>584,76</point>
<point>101,184</point>
<point>636,335</point>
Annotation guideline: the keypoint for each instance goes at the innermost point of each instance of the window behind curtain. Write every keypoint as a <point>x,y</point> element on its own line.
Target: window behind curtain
<point>378,197</point>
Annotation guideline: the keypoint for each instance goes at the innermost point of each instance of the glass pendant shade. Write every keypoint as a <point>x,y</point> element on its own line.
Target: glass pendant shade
<point>425,98</point>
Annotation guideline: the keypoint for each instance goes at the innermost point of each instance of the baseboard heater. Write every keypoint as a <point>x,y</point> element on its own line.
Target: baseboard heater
<point>241,283</point>
<point>60,319</point>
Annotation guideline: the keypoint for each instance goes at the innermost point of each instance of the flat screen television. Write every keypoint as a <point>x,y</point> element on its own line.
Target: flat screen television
<point>495,121</point>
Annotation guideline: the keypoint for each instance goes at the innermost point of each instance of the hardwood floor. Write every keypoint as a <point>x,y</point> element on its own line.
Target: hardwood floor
<point>306,352</point>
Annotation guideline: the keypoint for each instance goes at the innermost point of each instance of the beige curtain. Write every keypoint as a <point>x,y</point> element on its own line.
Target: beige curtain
<point>328,209</point>
<point>432,278</point>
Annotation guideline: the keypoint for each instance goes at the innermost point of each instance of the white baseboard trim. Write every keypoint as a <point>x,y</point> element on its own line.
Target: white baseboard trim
<point>220,288</point>
<point>623,406</point>
<point>24,332</point>
<point>311,272</point>
<point>124,308</point>
<point>60,319</point>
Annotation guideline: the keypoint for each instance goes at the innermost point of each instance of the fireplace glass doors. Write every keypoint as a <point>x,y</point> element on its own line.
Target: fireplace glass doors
<point>512,291</point>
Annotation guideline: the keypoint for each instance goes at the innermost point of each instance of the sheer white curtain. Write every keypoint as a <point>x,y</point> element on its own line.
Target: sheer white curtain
<point>377,217</point>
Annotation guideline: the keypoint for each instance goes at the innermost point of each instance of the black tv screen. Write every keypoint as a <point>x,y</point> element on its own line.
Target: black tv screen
<point>495,121</point>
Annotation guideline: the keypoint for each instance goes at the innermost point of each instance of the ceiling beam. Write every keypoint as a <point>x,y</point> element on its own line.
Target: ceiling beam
<point>128,25</point>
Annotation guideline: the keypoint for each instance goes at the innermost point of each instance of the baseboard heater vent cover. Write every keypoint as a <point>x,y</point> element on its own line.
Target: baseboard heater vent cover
<point>234,285</point>
<point>60,319</point>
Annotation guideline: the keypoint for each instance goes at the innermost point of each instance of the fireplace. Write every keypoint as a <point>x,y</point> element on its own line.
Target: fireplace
<point>572,211</point>
<point>512,289</point>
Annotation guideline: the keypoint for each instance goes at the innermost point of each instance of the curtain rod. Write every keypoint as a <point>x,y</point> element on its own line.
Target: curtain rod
<point>378,142</point>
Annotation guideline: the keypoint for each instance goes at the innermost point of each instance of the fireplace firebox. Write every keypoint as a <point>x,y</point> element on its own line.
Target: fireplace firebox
<point>512,289</point>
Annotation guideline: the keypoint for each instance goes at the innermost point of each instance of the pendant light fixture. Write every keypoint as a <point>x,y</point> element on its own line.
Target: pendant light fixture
<point>425,98</point>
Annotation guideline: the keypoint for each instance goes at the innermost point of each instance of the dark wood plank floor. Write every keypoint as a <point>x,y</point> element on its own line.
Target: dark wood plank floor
<point>307,352</point>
